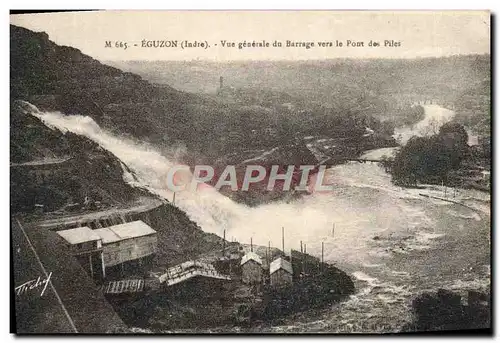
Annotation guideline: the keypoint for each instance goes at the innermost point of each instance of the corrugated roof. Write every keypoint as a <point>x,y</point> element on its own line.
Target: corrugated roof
<point>280,263</point>
<point>250,256</point>
<point>79,235</point>
<point>124,231</point>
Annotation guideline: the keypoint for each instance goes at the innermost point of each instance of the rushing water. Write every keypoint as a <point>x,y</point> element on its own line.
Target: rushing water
<point>395,242</point>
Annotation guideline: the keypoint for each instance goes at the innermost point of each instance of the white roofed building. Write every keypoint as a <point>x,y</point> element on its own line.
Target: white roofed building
<point>251,268</point>
<point>81,237</point>
<point>281,272</point>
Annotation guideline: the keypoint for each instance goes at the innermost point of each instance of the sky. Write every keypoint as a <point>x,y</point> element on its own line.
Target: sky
<point>410,34</point>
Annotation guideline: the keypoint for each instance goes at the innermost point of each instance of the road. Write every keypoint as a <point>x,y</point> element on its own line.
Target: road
<point>143,204</point>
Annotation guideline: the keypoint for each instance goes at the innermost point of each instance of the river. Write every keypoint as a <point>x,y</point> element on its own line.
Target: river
<point>435,116</point>
<point>395,242</point>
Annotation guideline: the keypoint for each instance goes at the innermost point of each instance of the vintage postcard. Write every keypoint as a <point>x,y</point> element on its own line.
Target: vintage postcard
<point>283,172</point>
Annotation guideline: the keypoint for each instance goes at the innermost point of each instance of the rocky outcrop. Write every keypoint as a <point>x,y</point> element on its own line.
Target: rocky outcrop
<point>285,155</point>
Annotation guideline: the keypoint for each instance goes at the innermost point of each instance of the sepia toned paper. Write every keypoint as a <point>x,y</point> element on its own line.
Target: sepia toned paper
<point>285,172</point>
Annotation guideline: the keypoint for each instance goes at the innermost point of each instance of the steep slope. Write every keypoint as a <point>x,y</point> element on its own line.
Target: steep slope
<point>61,78</point>
<point>61,171</point>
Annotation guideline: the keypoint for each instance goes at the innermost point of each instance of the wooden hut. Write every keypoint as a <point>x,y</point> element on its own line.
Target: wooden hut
<point>281,272</point>
<point>251,268</point>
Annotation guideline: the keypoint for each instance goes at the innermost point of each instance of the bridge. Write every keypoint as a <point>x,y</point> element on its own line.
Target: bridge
<point>332,160</point>
<point>362,160</point>
<point>188,270</point>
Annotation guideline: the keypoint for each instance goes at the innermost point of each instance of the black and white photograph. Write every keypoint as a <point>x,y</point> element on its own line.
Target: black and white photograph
<point>250,172</point>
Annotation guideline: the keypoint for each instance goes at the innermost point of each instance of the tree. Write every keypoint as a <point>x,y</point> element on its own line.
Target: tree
<point>431,158</point>
<point>454,138</point>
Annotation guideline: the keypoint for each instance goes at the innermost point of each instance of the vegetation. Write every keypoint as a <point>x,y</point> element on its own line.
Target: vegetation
<point>430,159</point>
<point>445,310</point>
<point>473,108</point>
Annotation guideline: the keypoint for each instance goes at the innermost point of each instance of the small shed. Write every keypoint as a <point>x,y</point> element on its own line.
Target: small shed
<point>281,272</point>
<point>251,268</point>
<point>127,242</point>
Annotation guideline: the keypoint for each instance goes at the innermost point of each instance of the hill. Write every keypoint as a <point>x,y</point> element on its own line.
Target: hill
<point>60,78</point>
<point>334,83</point>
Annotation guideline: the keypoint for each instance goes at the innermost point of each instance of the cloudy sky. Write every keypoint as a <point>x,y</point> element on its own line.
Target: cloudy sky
<point>421,34</point>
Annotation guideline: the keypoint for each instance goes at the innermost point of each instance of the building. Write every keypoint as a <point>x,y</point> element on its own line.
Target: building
<point>86,245</point>
<point>281,272</point>
<point>251,268</point>
<point>127,242</point>
<point>185,271</point>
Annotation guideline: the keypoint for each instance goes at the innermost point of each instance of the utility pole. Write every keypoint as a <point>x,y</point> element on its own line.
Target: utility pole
<point>173,200</point>
<point>305,258</point>
<point>322,256</point>
<point>302,258</point>
<point>333,230</point>
<point>269,251</point>
<point>283,239</point>
<point>223,243</point>
<point>267,256</point>
<point>251,244</point>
